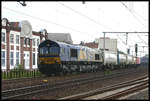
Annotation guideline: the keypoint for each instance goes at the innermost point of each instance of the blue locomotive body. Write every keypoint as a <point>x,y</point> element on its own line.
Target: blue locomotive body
<point>58,57</point>
<point>61,58</point>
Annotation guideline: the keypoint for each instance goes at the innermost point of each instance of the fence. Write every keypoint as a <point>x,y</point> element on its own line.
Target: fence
<point>20,73</point>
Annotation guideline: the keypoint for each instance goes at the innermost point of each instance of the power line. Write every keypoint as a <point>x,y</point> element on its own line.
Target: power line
<point>47,21</point>
<point>83,15</point>
<point>132,13</point>
<point>140,16</point>
<point>22,3</point>
<point>53,22</point>
<point>121,40</point>
<point>142,40</point>
<point>93,19</point>
<point>135,18</point>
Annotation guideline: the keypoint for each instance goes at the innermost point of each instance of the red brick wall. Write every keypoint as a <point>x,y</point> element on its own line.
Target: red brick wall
<point>30,54</point>
<point>21,47</point>
<point>8,49</point>
<point>26,48</point>
<point>21,50</point>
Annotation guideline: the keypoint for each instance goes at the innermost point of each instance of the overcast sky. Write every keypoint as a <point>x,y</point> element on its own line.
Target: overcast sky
<point>85,22</point>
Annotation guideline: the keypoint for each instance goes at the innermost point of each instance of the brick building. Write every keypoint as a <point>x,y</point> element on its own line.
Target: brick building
<point>17,47</point>
<point>93,45</point>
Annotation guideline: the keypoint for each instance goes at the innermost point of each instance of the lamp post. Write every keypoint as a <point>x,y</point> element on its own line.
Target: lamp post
<point>104,48</point>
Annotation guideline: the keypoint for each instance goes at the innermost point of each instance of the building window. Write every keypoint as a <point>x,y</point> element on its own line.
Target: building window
<point>3,58</point>
<point>28,41</point>
<point>3,37</point>
<point>38,42</point>
<point>17,39</point>
<point>11,38</point>
<point>11,58</point>
<point>33,58</point>
<point>17,58</point>
<point>33,40</point>
<point>25,41</point>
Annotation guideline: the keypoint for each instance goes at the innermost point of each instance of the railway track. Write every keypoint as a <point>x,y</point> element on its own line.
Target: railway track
<point>24,82</point>
<point>114,91</point>
<point>32,90</point>
<point>141,86</point>
<point>19,79</point>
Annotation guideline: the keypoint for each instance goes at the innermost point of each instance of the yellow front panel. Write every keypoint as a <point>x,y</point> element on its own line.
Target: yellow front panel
<point>50,60</point>
<point>82,55</point>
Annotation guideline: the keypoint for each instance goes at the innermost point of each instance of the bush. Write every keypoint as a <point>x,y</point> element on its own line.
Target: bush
<point>20,72</point>
<point>107,72</point>
<point>19,67</point>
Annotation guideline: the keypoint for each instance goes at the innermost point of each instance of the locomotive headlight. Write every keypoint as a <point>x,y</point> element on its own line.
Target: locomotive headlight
<point>57,60</point>
<point>45,81</point>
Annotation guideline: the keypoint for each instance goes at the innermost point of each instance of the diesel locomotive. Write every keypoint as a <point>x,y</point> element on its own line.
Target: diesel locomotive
<point>60,58</point>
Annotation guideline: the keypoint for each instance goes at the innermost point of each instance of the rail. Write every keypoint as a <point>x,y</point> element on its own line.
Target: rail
<point>85,95</point>
<point>24,91</point>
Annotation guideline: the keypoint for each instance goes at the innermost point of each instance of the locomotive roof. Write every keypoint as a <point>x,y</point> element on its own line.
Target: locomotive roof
<point>66,45</point>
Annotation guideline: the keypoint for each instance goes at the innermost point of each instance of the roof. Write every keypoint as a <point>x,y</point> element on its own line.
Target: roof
<point>91,45</point>
<point>62,37</point>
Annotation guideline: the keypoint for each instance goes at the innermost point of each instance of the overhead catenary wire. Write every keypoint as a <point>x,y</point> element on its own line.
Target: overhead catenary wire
<point>62,25</point>
<point>81,14</point>
<point>142,40</point>
<point>47,21</point>
<point>135,18</point>
<point>85,16</point>
<point>132,13</point>
<point>121,40</point>
<point>140,16</point>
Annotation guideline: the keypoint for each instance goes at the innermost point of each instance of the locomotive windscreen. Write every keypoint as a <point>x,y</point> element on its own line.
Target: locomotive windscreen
<point>49,48</point>
<point>49,51</point>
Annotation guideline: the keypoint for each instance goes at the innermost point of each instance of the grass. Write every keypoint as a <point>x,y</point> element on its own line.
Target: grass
<point>107,72</point>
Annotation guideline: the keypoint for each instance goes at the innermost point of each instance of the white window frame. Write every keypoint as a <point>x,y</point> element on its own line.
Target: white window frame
<point>38,42</point>
<point>3,58</point>
<point>33,42</point>
<point>11,38</point>
<point>11,58</point>
<point>17,58</point>
<point>4,31</point>
<point>4,37</point>
<point>28,42</point>
<point>24,44</point>
<point>34,59</point>
<point>18,40</point>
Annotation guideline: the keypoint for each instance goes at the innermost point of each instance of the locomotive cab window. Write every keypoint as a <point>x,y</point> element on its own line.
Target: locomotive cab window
<point>49,51</point>
<point>97,57</point>
<point>73,53</point>
<point>43,50</point>
<point>54,51</point>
